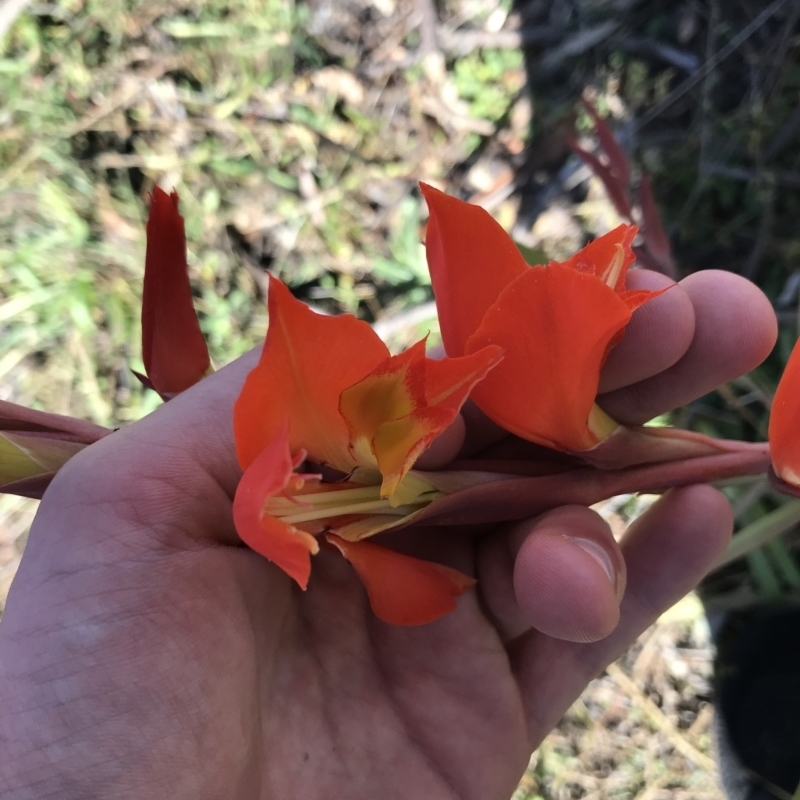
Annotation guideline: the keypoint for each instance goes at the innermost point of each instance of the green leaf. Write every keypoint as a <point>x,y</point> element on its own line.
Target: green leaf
<point>533,255</point>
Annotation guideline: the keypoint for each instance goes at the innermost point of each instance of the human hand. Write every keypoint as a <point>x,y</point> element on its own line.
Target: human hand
<point>146,653</point>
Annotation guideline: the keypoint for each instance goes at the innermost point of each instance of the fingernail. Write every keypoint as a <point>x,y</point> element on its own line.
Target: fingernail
<point>599,554</point>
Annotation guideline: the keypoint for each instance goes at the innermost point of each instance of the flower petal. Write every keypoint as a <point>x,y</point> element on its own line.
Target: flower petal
<point>784,422</point>
<point>173,348</point>
<point>555,323</point>
<point>448,381</point>
<point>403,590</point>
<point>394,389</point>
<point>399,443</point>
<point>283,544</point>
<point>17,464</point>
<point>608,257</point>
<point>397,410</point>
<point>307,361</point>
<point>34,445</point>
<point>471,260</point>
<point>355,528</point>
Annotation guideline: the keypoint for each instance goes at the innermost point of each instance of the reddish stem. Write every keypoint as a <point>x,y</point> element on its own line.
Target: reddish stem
<point>499,498</point>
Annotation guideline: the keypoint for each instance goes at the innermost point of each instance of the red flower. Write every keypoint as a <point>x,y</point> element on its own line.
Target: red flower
<point>784,423</point>
<point>328,387</point>
<point>556,323</point>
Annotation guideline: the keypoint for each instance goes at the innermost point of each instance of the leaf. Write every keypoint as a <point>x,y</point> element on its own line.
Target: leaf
<point>610,146</point>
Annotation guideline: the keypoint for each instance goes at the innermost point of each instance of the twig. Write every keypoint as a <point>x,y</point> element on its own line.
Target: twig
<point>428,44</point>
<point>791,178</point>
<point>727,394</point>
<point>782,50</point>
<point>660,721</point>
<point>463,42</point>
<point>711,64</point>
<point>750,496</point>
<point>121,96</point>
<point>577,44</point>
<point>784,134</point>
<point>647,46</point>
<point>705,110</point>
<point>750,270</point>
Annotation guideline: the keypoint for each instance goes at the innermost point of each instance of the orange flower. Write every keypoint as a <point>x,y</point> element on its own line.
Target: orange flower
<point>328,387</point>
<point>556,323</point>
<point>173,348</point>
<point>784,423</point>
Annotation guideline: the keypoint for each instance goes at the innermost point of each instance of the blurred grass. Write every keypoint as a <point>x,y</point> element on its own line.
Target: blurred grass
<point>282,158</point>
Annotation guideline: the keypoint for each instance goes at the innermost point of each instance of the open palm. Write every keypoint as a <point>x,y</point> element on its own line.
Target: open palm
<point>146,653</point>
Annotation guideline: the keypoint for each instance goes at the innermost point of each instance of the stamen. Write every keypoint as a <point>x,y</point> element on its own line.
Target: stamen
<point>338,496</point>
<point>611,275</point>
<point>362,503</point>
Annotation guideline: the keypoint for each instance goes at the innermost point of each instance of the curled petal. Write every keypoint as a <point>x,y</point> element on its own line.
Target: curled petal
<point>784,422</point>
<point>556,324</point>
<point>448,383</point>
<point>471,260</point>
<point>403,590</point>
<point>307,362</point>
<point>283,544</point>
<point>399,443</point>
<point>173,348</point>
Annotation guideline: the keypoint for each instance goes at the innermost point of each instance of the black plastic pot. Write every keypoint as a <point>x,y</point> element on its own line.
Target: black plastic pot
<point>757,704</point>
